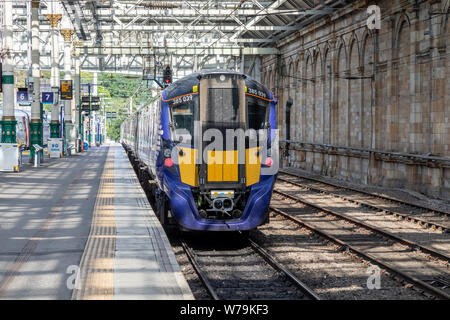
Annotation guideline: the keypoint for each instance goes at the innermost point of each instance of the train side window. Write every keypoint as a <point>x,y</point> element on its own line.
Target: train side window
<point>183,115</point>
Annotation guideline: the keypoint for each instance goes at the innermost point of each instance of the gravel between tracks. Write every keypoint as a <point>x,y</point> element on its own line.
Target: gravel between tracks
<point>331,273</point>
<point>404,229</point>
<point>414,263</point>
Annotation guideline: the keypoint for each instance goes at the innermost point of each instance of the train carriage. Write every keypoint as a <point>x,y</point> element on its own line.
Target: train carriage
<point>205,146</point>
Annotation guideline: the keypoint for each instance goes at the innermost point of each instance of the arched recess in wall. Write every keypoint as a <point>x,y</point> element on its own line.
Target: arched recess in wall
<point>340,124</point>
<point>301,85</point>
<point>269,81</point>
<point>327,107</point>
<point>368,56</point>
<point>401,135</point>
<point>263,77</point>
<point>283,87</point>
<point>318,97</point>
<point>309,107</point>
<point>355,94</point>
<point>291,94</point>
<point>295,111</point>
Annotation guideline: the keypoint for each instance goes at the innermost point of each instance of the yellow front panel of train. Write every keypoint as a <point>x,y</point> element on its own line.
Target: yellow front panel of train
<point>252,166</point>
<point>188,169</point>
<point>230,166</point>
<point>223,166</point>
<point>215,162</point>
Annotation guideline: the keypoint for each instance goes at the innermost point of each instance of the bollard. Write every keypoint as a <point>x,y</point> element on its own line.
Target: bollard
<point>37,158</point>
<point>37,155</point>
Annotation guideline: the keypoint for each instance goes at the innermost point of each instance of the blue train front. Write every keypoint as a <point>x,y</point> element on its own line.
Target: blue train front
<point>209,149</point>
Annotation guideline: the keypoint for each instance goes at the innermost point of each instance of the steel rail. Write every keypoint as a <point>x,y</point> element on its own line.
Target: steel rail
<point>277,266</point>
<point>415,281</point>
<point>407,217</point>
<point>370,194</point>
<point>262,253</point>
<point>203,278</point>
<point>411,244</point>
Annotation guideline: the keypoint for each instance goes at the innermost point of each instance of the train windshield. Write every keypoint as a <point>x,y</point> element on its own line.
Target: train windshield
<point>183,113</point>
<point>257,114</point>
<point>223,108</point>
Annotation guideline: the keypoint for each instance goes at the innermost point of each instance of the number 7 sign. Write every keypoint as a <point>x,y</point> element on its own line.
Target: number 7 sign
<point>47,97</point>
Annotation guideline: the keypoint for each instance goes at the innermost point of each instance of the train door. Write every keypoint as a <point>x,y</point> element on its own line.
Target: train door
<point>222,118</point>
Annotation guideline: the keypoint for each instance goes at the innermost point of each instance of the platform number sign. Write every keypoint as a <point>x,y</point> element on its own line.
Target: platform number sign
<point>22,96</point>
<point>47,97</point>
<point>66,89</point>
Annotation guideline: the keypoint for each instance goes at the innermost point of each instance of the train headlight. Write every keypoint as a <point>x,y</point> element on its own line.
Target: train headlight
<point>167,153</point>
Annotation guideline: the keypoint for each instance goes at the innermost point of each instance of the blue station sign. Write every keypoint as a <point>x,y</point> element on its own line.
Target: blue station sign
<point>47,97</point>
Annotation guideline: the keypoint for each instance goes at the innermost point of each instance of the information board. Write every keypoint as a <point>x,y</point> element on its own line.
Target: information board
<point>55,147</point>
<point>66,89</point>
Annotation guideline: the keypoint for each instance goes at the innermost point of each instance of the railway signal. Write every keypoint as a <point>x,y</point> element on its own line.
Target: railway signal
<point>167,76</point>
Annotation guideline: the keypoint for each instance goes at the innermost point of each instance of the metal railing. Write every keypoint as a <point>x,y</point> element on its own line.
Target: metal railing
<point>389,156</point>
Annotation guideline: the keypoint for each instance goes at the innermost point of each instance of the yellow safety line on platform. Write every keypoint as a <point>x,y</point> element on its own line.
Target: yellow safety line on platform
<point>95,279</point>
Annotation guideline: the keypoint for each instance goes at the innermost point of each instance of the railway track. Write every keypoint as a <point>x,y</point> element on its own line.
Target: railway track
<point>412,244</point>
<point>245,273</point>
<point>382,248</point>
<point>424,216</point>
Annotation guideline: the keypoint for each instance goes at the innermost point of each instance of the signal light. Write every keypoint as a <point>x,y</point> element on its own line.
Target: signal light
<point>168,162</point>
<point>167,76</point>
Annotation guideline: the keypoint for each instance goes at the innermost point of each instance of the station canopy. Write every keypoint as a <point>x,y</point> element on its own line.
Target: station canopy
<point>136,36</point>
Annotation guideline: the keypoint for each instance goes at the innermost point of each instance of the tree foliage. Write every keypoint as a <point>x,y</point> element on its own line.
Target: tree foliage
<point>113,129</point>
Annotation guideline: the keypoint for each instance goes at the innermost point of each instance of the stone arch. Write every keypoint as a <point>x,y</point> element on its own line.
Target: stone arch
<point>399,23</point>
<point>268,79</point>
<point>327,61</point>
<point>301,70</point>
<point>354,94</point>
<point>403,113</point>
<point>340,125</point>
<point>368,57</point>
<point>309,106</point>
<point>290,92</point>
<point>318,96</point>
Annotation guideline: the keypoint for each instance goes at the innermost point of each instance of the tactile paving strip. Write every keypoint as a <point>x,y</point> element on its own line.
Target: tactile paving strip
<point>95,277</point>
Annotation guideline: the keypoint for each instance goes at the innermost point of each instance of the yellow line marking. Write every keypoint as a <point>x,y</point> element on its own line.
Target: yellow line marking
<point>96,281</point>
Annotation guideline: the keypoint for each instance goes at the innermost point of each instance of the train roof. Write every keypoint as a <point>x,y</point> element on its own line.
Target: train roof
<point>185,85</point>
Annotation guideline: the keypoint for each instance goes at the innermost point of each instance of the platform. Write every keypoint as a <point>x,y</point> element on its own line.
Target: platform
<point>82,228</point>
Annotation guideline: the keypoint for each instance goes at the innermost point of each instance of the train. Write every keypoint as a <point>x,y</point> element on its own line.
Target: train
<point>204,151</point>
<point>23,118</point>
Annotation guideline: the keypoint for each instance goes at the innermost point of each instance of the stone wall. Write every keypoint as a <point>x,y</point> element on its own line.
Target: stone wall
<point>376,91</point>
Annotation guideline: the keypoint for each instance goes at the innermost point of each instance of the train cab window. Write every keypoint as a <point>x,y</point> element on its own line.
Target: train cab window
<point>183,112</point>
<point>223,108</point>
<point>257,113</point>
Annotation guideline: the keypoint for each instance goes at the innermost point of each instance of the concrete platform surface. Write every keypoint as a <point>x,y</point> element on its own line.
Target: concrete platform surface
<point>82,228</point>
